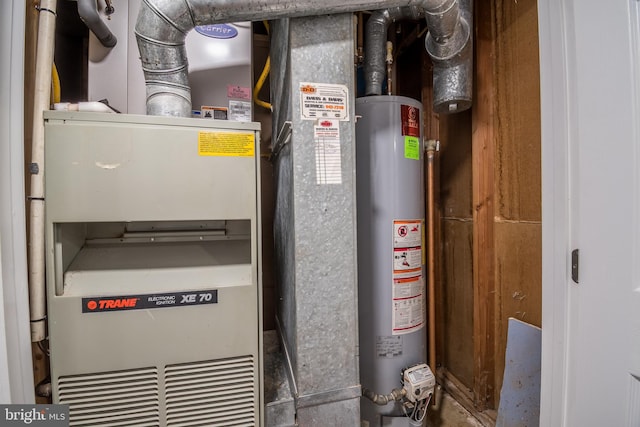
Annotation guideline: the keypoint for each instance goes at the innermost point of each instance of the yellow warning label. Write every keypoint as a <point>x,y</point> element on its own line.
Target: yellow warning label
<point>226,144</point>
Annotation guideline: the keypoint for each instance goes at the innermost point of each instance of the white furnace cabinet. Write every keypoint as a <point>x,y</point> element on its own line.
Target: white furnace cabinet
<point>153,281</point>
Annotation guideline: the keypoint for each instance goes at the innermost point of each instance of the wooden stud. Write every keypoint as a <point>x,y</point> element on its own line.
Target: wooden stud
<point>483,133</point>
<point>517,219</point>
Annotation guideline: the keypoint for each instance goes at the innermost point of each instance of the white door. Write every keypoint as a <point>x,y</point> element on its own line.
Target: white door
<point>590,68</point>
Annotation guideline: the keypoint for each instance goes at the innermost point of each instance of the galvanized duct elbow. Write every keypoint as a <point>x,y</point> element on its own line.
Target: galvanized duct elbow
<point>450,48</point>
<point>162,26</point>
<point>375,39</point>
<point>88,11</point>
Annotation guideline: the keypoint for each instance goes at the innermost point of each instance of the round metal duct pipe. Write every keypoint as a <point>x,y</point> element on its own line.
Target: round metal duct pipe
<point>162,26</point>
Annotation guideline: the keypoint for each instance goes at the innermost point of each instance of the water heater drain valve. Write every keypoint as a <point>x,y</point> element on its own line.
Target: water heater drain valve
<point>418,382</point>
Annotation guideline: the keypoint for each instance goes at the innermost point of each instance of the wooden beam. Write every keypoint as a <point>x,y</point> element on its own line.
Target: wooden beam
<point>518,229</point>
<point>464,397</point>
<point>483,132</point>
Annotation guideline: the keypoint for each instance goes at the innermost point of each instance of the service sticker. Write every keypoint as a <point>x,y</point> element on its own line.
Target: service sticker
<point>324,101</point>
<point>326,137</point>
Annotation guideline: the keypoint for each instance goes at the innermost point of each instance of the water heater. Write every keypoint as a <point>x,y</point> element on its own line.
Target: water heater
<point>391,256</point>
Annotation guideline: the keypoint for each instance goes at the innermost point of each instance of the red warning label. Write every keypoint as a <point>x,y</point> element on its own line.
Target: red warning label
<point>410,120</point>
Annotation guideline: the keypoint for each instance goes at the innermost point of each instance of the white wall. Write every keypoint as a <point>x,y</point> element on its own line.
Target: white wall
<point>16,375</point>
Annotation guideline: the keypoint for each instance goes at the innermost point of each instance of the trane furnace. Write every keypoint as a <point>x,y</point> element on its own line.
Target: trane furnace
<point>153,281</point>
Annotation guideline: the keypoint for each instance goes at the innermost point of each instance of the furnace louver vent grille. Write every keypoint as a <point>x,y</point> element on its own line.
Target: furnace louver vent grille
<point>214,393</point>
<point>112,399</point>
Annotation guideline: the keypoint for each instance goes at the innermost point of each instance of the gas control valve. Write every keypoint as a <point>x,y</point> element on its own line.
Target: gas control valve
<point>419,382</point>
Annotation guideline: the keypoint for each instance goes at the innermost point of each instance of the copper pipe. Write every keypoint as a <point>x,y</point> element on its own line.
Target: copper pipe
<point>431,148</point>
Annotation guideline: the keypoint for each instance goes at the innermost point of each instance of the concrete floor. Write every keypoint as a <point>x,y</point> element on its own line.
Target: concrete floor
<point>450,413</point>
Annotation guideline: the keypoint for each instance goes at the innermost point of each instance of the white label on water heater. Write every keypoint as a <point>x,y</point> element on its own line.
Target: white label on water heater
<point>407,233</point>
<point>408,313</point>
<point>407,288</point>
<point>407,260</point>
<point>407,247</point>
<point>388,346</point>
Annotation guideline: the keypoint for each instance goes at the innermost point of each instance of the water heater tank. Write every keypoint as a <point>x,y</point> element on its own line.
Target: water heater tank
<point>391,257</point>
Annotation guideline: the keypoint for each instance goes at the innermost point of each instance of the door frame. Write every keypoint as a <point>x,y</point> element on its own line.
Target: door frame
<point>16,370</point>
<point>555,94</point>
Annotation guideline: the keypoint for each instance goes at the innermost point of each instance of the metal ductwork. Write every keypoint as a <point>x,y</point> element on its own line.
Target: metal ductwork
<point>375,39</point>
<point>163,24</point>
<point>88,11</point>
<point>448,43</point>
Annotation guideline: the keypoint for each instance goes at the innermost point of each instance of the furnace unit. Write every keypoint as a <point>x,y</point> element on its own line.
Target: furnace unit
<point>153,282</point>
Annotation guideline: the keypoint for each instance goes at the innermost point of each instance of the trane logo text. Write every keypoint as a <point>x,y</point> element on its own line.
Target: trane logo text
<point>105,304</point>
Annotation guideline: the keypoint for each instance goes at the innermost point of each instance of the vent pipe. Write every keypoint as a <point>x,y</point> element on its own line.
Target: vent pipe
<point>162,26</point>
<point>41,97</point>
<point>448,44</point>
<point>450,48</point>
<point>375,40</point>
<point>88,11</point>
